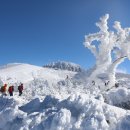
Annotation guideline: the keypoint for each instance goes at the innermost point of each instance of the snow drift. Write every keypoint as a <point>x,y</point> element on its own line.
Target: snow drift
<point>74,113</point>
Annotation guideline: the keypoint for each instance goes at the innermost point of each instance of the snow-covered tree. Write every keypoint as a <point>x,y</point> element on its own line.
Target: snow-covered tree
<point>64,66</point>
<point>104,44</point>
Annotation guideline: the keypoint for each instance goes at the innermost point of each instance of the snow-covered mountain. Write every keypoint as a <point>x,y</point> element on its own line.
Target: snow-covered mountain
<point>58,98</point>
<point>26,72</point>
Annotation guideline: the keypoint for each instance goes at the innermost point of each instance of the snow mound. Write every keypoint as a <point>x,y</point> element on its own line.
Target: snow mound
<point>73,113</point>
<point>10,116</point>
<point>119,97</point>
<point>64,66</point>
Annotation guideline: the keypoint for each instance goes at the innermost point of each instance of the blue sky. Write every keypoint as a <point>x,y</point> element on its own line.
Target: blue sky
<point>42,31</point>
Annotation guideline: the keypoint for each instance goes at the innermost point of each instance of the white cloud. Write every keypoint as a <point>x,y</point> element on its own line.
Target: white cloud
<point>121,70</point>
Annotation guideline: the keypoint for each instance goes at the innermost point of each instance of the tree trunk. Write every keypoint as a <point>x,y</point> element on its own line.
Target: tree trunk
<point>112,70</point>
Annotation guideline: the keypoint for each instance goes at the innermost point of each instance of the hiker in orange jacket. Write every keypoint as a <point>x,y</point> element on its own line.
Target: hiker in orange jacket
<point>4,89</point>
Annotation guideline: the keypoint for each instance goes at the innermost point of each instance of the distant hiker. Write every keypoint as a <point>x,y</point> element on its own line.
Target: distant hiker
<point>67,77</point>
<point>11,90</point>
<point>106,83</point>
<point>93,82</point>
<point>4,89</point>
<point>116,85</point>
<point>20,88</point>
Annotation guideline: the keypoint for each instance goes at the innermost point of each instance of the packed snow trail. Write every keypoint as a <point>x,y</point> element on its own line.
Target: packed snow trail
<point>3,103</point>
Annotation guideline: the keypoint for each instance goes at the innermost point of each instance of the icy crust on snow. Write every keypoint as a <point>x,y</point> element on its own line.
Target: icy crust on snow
<point>74,113</point>
<point>64,66</point>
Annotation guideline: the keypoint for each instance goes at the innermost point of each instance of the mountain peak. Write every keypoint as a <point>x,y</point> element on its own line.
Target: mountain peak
<point>63,65</point>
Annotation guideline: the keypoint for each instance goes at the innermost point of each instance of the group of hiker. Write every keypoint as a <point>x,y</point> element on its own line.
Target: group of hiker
<point>10,90</point>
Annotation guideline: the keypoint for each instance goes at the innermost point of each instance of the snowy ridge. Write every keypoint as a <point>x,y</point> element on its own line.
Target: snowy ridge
<point>10,65</point>
<point>18,72</point>
<point>26,73</point>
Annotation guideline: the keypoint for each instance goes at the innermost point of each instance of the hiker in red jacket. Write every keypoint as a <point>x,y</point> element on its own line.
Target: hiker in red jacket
<point>11,90</point>
<point>20,88</point>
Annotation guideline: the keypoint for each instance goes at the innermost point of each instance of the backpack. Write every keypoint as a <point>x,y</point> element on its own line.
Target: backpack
<point>11,89</point>
<point>20,88</point>
<point>2,89</point>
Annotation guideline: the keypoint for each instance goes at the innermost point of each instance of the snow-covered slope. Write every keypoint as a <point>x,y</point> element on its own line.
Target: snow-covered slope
<point>53,101</point>
<point>37,80</point>
<point>18,72</point>
<point>25,72</point>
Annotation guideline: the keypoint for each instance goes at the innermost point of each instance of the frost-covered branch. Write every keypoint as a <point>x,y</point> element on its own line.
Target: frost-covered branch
<point>116,63</point>
<point>123,40</point>
<point>88,42</point>
<point>103,23</point>
<point>102,35</point>
<point>105,40</point>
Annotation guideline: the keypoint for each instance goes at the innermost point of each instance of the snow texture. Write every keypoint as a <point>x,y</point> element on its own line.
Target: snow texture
<point>63,104</point>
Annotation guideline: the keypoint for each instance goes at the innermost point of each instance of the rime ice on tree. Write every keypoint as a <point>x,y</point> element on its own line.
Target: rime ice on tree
<point>115,42</point>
